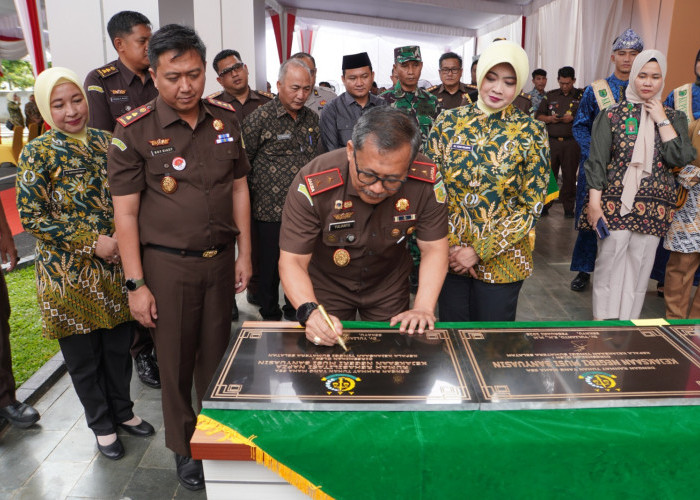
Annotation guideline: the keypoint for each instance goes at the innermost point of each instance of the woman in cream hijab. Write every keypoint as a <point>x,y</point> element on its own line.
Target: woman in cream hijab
<point>634,146</point>
<point>494,164</point>
<point>64,201</point>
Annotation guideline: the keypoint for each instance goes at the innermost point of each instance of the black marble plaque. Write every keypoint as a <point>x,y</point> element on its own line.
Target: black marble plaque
<point>280,369</point>
<point>607,366</point>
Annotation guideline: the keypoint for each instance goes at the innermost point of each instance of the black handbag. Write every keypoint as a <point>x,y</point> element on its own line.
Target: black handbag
<point>10,125</point>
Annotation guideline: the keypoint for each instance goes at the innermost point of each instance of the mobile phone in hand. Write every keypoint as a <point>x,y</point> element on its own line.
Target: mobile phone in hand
<point>601,229</point>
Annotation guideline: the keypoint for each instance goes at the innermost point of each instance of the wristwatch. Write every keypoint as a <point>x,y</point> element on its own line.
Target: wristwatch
<point>304,311</point>
<point>663,123</point>
<point>132,284</point>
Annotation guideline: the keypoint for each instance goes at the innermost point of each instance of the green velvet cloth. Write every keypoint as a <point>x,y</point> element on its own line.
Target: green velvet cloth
<point>650,452</point>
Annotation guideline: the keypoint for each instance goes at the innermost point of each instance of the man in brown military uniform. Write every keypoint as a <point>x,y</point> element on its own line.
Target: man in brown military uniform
<point>112,90</point>
<point>177,171</point>
<point>344,228</point>
<point>233,77</point>
<point>319,96</point>
<point>124,84</point>
<point>452,93</point>
<point>558,109</point>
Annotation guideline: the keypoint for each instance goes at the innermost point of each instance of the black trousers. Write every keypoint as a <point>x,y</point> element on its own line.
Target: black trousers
<point>7,380</point>
<point>468,299</point>
<point>268,260</point>
<point>565,155</point>
<point>99,365</point>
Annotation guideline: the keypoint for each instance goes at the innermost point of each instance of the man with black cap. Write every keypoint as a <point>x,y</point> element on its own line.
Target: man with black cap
<point>601,94</point>
<point>340,115</point>
<point>406,95</point>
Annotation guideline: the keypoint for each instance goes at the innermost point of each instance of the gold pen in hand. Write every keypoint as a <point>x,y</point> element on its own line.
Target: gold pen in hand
<point>328,319</point>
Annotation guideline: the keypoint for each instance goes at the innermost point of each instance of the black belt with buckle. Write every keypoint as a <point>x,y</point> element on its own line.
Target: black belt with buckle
<point>562,138</point>
<point>207,254</point>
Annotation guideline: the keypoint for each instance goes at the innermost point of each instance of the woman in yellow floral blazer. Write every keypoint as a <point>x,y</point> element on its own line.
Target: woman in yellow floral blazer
<point>64,201</point>
<point>494,160</point>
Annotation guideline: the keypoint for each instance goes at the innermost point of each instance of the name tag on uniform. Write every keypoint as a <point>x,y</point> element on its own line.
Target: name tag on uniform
<point>75,171</point>
<point>337,226</point>
<point>119,98</point>
<point>156,152</point>
<point>462,147</point>
<point>284,137</point>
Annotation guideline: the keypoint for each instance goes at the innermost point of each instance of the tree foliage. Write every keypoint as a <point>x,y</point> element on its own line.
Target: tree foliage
<point>18,74</point>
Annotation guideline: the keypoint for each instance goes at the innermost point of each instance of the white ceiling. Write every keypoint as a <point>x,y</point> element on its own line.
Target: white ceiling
<point>451,18</point>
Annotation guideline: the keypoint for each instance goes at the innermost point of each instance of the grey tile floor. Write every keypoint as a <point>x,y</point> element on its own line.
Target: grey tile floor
<point>58,459</point>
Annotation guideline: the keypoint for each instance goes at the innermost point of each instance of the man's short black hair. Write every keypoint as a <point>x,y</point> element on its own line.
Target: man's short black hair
<point>302,55</point>
<point>449,55</point>
<point>223,55</point>
<point>566,72</point>
<point>539,72</point>
<point>174,37</point>
<point>123,22</point>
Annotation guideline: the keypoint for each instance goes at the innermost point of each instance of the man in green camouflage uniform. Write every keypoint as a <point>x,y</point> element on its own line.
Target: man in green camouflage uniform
<point>414,101</point>
<point>406,95</point>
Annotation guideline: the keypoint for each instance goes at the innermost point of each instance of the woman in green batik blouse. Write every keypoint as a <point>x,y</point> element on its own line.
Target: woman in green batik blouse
<point>494,160</point>
<point>64,201</point>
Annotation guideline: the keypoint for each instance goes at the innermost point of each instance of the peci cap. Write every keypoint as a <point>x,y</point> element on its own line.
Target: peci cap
<point>354,61</point>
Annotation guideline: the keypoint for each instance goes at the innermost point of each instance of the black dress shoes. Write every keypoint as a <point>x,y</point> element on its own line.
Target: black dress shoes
<point>189,472</point>
<point>20,414</point>
<point>147,368</point>
<point>580,282</point>
<point>113,451</point>
<point>142,430</point>
<point>250,297</point>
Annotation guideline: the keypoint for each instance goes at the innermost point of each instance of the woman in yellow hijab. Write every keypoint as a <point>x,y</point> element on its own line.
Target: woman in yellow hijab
<point>64,201</point>
<point>494,162</point>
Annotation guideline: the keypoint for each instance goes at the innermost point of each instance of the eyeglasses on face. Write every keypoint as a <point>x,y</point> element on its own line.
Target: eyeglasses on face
<point>368,178</point>
<point>236,67</point>
<point>452,71</point>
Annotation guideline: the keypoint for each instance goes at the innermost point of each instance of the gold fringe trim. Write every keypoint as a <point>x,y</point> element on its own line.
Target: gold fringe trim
<point>551,197</point>
<point>211,427</point>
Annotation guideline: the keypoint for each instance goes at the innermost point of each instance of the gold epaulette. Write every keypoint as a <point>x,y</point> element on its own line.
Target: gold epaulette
<point>107,70</point>
<point>215,95</point>
<point>423,171</point>
<point>220,104</point>
<point>269,95</point>
<point>525,95</point>
<point>323,181</point>
<point>432,88</point>
<point>128,118</point>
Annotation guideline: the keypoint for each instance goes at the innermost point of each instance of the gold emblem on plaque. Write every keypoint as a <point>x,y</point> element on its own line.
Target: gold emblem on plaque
<point>410,230</point>
<point>395,233</point>
<point>218,125</point>
<point>168,184</point>
<point>402,205</point>
<point>341,257</point>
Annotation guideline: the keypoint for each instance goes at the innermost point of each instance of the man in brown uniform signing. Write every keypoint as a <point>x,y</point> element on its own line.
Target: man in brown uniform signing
<point>344,228</point>
<point>177,171</point>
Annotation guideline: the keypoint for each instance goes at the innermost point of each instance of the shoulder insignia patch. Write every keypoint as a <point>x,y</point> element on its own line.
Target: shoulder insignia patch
<point>526,96</point>
<point>471,86</point>
<point>119,143</point>
<point>430,89</point>
<point>220,104</point>
<point>108,70</point>
<point>422,171</point>
<point>128,118</point>
<point>323,181</point>
<point>269,95</point>
<point>215,95</point>
<point>96,88</point>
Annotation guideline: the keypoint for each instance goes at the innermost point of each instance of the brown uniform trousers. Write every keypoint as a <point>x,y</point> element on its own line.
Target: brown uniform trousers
<point>199,297</point>
<point>680,272</point>
<point>565,155</point>
<point>7,380</point>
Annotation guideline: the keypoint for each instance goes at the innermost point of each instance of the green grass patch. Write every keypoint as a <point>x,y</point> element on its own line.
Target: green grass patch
<point>29,349</point>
